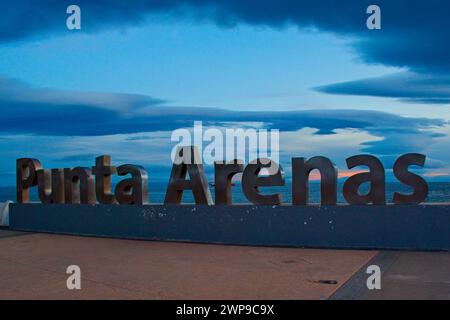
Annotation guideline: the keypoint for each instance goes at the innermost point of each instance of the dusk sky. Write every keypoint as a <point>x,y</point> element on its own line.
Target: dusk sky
<point>139,69</point>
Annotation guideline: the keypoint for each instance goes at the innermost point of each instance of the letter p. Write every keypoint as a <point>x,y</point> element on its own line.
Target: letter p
<point>26,177</point>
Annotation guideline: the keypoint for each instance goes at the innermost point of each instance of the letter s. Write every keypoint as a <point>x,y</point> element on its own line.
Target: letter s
<point>419,184</point>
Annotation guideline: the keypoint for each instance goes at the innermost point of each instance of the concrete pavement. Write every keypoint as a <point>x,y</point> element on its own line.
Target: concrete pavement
<point>416,275</point>
<point>33,266</point>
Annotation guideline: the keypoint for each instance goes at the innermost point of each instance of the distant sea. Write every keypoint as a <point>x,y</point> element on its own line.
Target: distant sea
<point>438,192</point>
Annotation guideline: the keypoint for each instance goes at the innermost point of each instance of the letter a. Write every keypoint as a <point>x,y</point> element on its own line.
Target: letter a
<point>374,21</point>
<point>74,280</point>
<point>374,280</point>
<point>74,20</point>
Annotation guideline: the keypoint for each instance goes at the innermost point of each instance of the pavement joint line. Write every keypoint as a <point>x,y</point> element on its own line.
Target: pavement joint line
<point>355,288</point>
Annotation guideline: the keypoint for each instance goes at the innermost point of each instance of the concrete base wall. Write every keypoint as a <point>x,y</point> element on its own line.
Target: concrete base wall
<point>422,227</point>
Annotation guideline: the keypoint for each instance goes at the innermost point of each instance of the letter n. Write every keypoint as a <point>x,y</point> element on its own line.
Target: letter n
<point>301,170</point>
<point>79,185</point>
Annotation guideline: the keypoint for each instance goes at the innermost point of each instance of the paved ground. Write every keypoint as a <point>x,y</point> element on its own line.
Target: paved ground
<point>416,275</point>
<point>33,266</point>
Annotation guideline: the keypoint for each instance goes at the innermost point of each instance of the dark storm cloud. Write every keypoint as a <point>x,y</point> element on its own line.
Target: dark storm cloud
<point>29,110</point>
<point>407,86</point>
<point>413,34</point>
